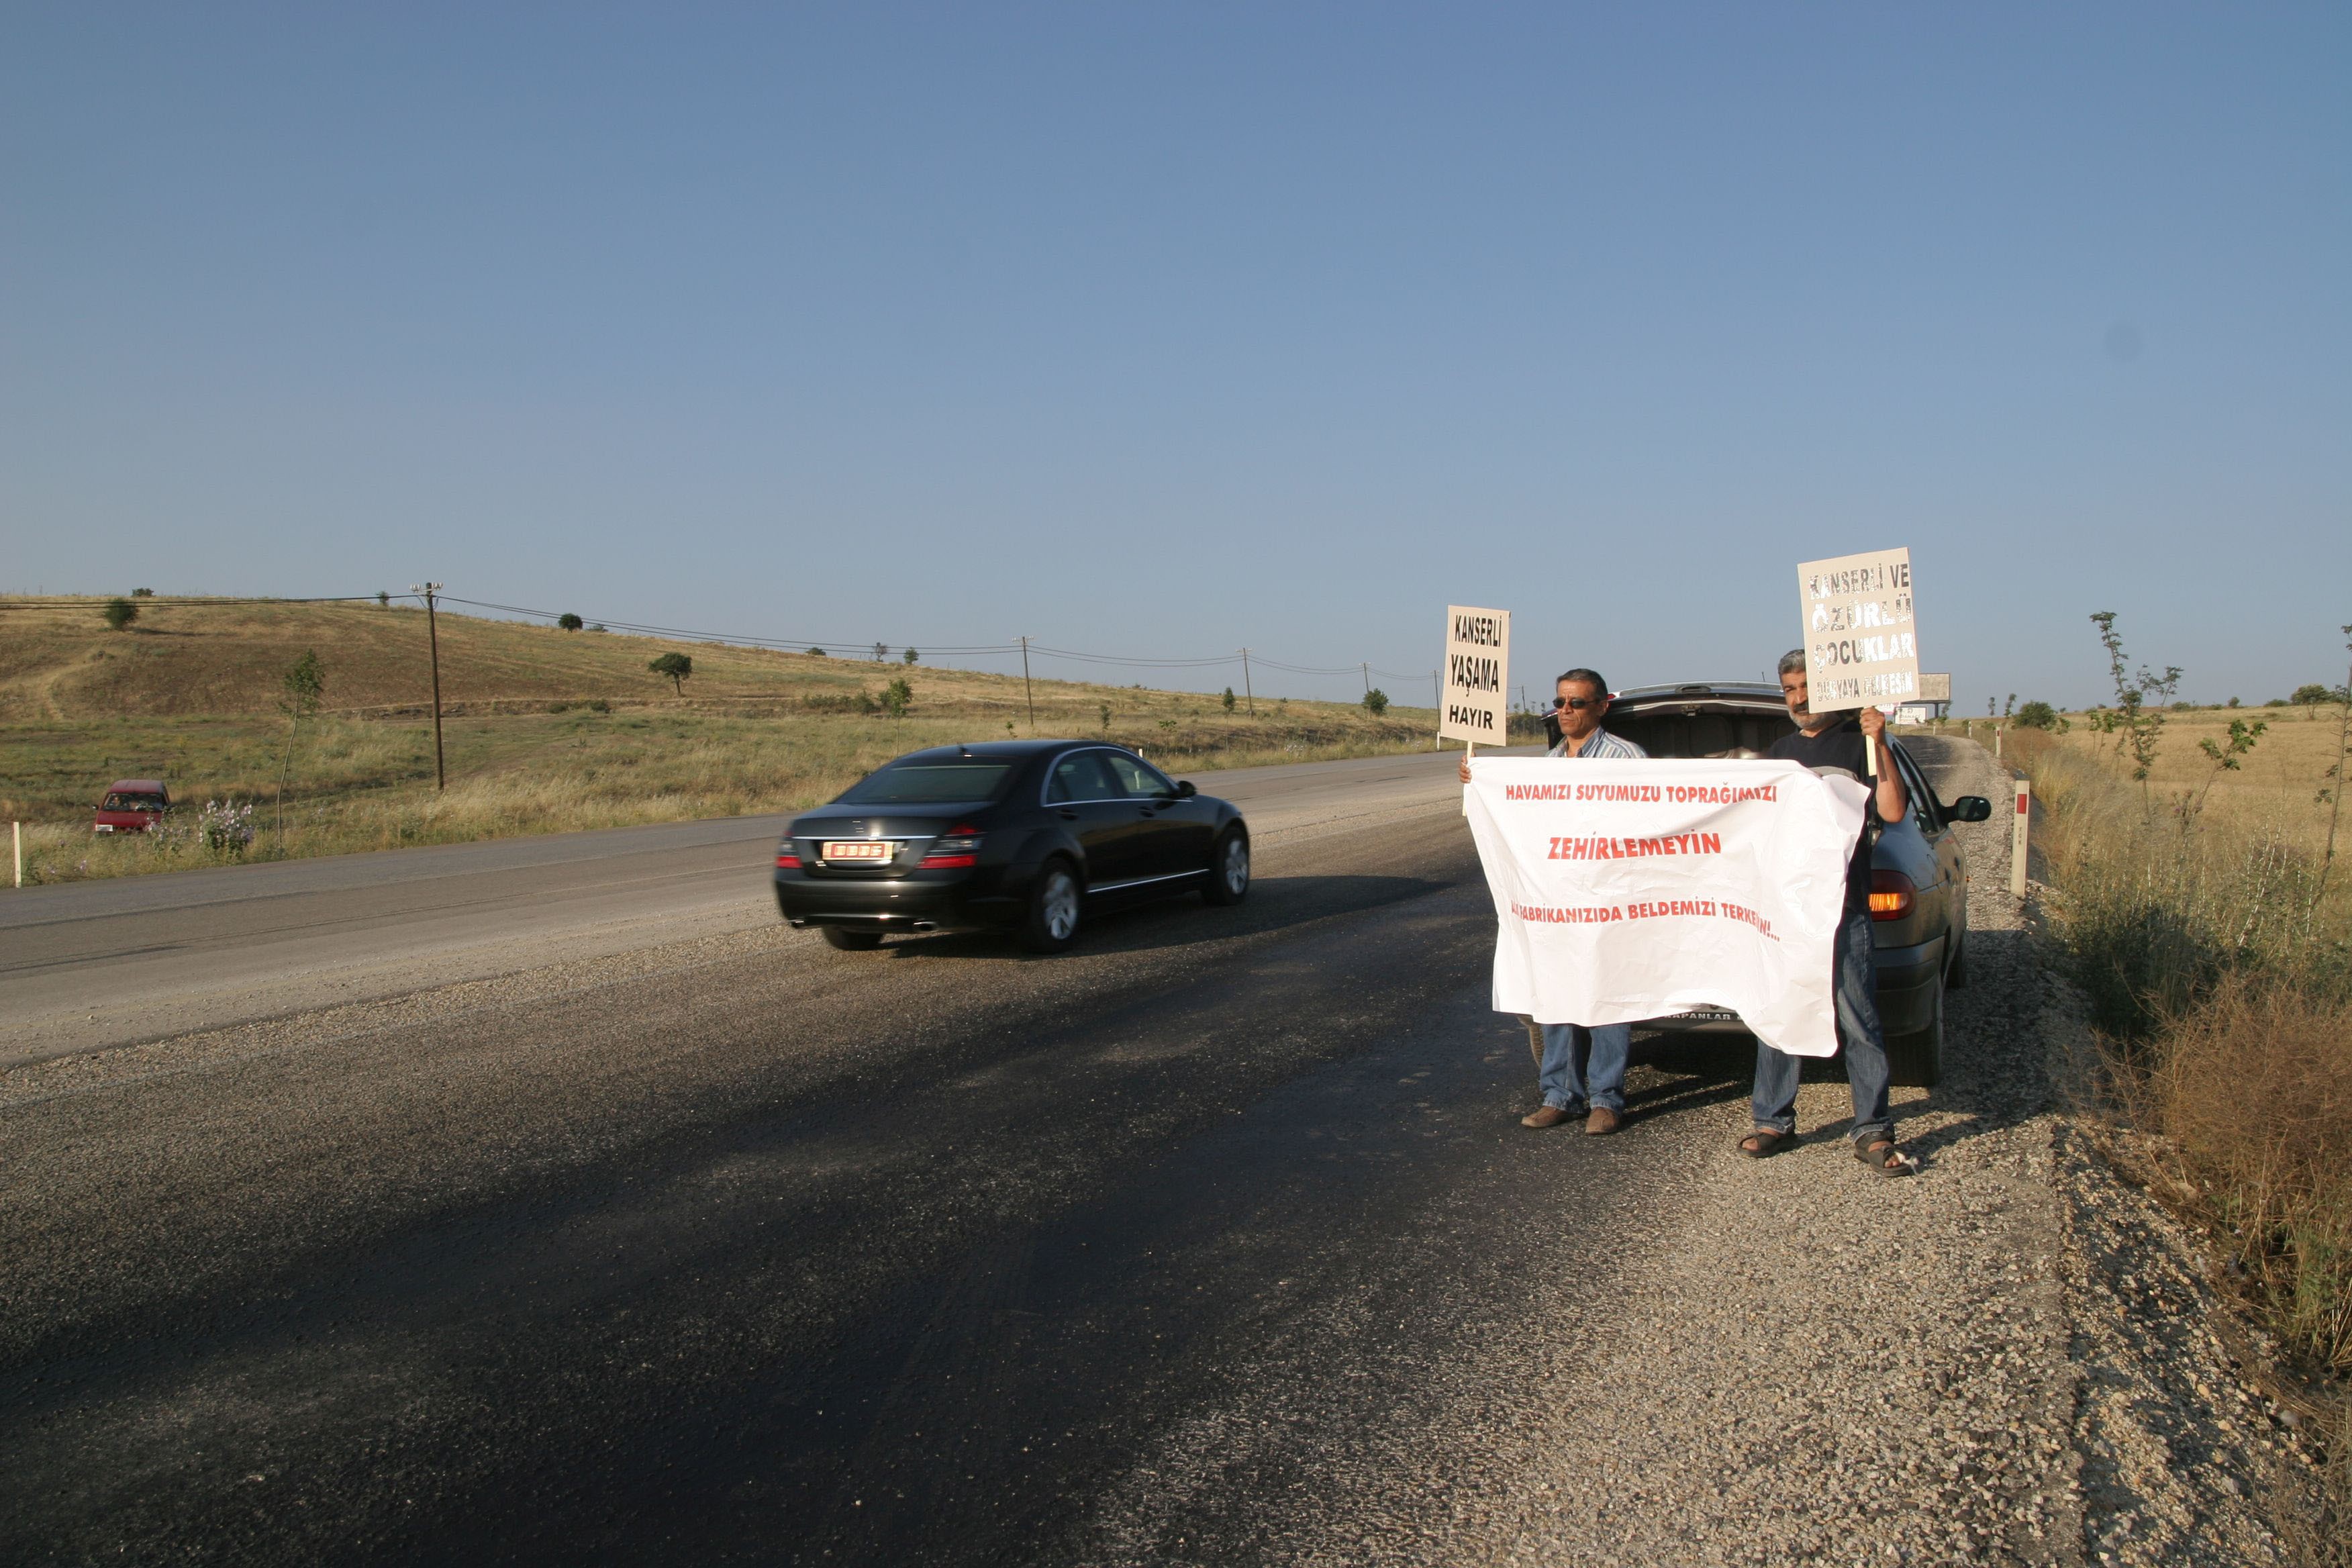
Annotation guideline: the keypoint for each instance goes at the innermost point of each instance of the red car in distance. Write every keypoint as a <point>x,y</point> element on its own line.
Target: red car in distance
<point>131,805</point>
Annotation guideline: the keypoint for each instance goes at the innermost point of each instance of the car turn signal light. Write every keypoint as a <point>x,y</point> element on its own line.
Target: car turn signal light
<point>1892,895</point>
<point>958,846</point>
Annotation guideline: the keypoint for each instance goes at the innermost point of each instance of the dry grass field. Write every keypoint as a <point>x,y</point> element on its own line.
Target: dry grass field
<point>2276,786</point>
<point>2215,948</point>
<point>546,730</point>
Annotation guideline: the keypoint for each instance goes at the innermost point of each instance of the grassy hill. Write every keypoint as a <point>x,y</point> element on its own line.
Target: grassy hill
<point>545,730</point>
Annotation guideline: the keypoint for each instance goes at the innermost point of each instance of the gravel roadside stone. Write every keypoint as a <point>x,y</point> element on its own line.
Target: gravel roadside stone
<point>2008,1358</point>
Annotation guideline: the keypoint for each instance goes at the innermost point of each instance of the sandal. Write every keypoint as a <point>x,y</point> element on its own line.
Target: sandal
<point>1882,1157</point>
<point>1764,1142</point>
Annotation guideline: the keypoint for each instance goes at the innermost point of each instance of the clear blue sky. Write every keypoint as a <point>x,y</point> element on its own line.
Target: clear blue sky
<point>1161,329</point>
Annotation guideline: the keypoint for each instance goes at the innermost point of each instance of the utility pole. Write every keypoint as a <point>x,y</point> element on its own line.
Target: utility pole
<point>1025,689</point>
<point>433,633</point>
<point>1366,667</point>
<point>1246,692</point>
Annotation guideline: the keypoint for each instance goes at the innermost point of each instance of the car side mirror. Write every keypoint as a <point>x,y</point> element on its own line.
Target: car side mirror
<point>1184,790</point>
<point>1970,808</point>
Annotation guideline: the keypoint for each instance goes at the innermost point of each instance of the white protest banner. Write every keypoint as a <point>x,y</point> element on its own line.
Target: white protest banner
<point>1477,671</point>
<point>1628,890</point>
<point>1861,646</point>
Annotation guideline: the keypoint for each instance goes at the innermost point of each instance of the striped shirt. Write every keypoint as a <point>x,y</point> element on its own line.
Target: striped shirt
<point>1600,745</point>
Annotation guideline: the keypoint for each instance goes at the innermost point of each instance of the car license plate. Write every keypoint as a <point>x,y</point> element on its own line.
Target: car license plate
<point>860,849</point>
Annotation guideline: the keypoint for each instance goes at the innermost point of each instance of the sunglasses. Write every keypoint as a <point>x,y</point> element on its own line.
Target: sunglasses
<point>1579,703</point>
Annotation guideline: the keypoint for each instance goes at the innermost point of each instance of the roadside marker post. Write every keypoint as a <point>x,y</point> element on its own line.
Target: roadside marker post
<point>2016,840</point>
<point>17,832</point>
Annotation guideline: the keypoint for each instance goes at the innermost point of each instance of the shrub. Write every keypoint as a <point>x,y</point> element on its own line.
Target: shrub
<point>2038,716</point>
<point>1227,699</point>
<point>1376,702</point>
<point>143,593</point>
<point>225,827</point>
<point>382,599</point>
<point>676,667</point>
<point>120,612</point>
<point>2308,696</point>
<point>816,653</point>
<point>569,622</point>
<point>897,698</point>
<point>910,655</point>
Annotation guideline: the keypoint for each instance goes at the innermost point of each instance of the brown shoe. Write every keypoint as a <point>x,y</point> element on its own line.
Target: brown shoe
<point>1602,1122</point>
<point>1546,1116</point>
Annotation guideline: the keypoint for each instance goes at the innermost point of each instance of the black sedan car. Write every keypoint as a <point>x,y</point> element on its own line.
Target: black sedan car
<point>1027,837</point>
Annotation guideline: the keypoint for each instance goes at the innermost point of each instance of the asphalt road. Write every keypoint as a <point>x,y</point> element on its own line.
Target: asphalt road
<point>87,966</point>
<point>747,1250</point>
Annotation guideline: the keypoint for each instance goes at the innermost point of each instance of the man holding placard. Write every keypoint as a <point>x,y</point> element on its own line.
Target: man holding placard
<point>1860,647</point>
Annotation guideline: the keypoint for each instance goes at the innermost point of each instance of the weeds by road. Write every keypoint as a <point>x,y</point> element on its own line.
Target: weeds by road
<point>2219,975</point>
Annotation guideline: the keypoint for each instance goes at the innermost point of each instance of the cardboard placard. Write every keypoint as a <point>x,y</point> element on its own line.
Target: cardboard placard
<point>1861,644</point>
<point>1478,673</point>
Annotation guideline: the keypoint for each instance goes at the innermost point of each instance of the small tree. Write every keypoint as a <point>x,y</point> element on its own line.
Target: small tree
<point>1376,702</point>
<point>2332,790</point>
<point>2037,715</point>
<point>897,698</point>
<point>1106,717</point>
<point>305,687</point>
<point>2306,696</point>
<point>2225,759</point>
<point>676,666</point>
<point>1227,699</point>
<point>120,613</point>
<point>570,621</point>
<point>2138,719</point>
<point>816,653</point>
<point>143,593</point>
<point>881,652</point>
<point>382,599</point>
<point>910,655</point>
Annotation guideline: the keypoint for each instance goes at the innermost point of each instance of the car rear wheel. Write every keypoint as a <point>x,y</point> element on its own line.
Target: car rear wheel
<point>849,941</point>
<point>1916,1059</point>
<point>1051,923</point>
<point>1229,869</point>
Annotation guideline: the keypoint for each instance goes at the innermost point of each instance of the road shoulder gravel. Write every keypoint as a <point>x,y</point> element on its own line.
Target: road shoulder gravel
<point>2009,1358</point>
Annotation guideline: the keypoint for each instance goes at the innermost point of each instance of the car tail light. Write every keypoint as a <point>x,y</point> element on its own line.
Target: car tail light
<point>787,860</point>
<point>1892,896</point>
<point>958,846</point>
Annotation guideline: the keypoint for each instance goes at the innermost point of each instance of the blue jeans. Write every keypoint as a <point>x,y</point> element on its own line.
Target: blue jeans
<point>1601,1084</point>
<point>1857,1026</point>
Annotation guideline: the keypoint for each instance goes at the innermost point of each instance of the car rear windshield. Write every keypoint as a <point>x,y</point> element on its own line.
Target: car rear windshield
<point>924,784</point>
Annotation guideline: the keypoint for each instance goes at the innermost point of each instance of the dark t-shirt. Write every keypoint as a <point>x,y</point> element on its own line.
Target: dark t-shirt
<point>1841,746</point>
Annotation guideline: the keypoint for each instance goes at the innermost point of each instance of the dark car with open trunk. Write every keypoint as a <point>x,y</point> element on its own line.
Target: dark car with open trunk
<point>1919,884</point>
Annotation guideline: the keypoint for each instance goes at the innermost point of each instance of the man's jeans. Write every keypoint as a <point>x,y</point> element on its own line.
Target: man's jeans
<point>1858,1032</point>
<point>1602,1086</point>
